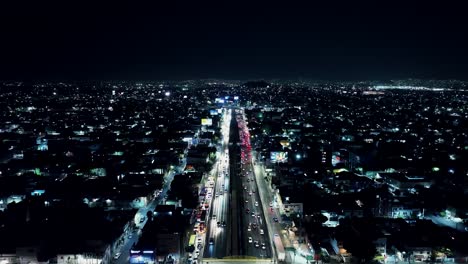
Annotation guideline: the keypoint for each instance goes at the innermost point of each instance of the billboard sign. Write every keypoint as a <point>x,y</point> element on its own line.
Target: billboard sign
<point>207,121</point>
<point>279,156</point>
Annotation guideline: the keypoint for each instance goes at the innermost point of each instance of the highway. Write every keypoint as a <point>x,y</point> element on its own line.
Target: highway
<point>256,239</point>
<point>236,223</point>
<point>217,236</point>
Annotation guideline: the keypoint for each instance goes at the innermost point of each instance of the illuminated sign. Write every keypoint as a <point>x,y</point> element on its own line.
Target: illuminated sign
<point>207,121</point>
<point>37,192</point>
<point>279,156</point>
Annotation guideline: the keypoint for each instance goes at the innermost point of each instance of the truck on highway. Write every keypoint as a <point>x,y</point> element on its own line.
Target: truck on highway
<point>279,247</point>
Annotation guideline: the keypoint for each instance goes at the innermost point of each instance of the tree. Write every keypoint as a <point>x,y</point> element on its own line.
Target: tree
<point>362,248</point>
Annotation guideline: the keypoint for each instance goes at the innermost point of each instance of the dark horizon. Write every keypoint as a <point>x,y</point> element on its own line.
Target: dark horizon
<point>256,41</point>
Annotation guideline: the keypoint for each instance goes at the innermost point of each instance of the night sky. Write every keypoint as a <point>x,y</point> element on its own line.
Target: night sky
<point>199,39</point>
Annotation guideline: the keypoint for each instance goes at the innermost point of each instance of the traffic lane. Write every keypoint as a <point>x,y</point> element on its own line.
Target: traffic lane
<point>220,232</point>
<point>219,209</point>
<point>212,234</point>
<point>259,211</point>
<point>274,227</point>
<point>259,237</point>
<point>247,218</point>
<point>125,250</point>
<point>253,219</point>
<point>223,207</point>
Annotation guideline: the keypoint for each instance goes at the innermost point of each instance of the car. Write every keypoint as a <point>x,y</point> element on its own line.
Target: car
<point>117,255</point>
<point>246,201</point>
<point>256,244</point>
<point>250,193</point>
<point>250,240</point>
<point>199,246</point>
<point>249,229</point>
<point>211,241</point>
<point>223,223</point>
<point>253,214</point>
<point>263,245</point>
<point>253,191</point>
<point>213,217</point>
<point>256,203</point>
<point>197,252</point>
<point>271,204</point>
<point>130,236</point>
<point>275,219</point>
<point>142,220</point>
<point>261,232</point>
<point>218,224</point>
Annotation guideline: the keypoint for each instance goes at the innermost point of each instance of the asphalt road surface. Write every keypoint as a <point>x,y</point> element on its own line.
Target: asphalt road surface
<point>217,238</point>
<point>254,232</point>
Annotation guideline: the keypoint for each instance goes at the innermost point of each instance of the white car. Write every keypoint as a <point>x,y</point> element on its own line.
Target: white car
<point>261,232</point>
<point>250,240</point>
<point>256,203</point>
<point>117,255</point>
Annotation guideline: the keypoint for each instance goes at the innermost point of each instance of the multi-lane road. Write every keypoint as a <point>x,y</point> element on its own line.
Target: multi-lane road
<point>219,223</point>
<point>236,223</point>
<point>255,235</point>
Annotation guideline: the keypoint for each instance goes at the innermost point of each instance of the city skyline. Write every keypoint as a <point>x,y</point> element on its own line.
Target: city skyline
<point>199,132</point>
